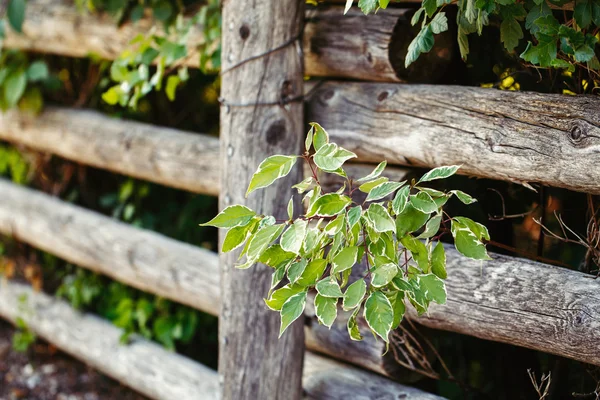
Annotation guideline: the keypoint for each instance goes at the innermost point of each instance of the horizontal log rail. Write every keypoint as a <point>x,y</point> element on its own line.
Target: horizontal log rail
<point>509,299</point>
<point>57,27</point>
<point>160,374</point>
<point>520,137</point>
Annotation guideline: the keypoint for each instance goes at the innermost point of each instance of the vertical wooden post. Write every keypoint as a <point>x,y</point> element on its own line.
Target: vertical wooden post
<point>261,115</point>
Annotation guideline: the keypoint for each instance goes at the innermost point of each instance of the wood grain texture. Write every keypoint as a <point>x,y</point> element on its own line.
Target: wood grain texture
<point>142,259</point>
<point>252,359</point>
<point>142,365</point>
<point>57,27</point>
<point>183,160</point>
<point>549,139</point>
<point>160,374</point>
<point>523,303</point>
<point>358,50</point>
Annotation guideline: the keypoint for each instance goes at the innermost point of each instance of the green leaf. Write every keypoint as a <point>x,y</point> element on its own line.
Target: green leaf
<point>543,53</point>
<point>463,197</point>
<point>231,217</point>
<point>32,101</point>
<point>321,137</point>
<point>478,229</point>
<point>171,88</point>
<point>416,16</point>
<point>37,71</point>
<point>262,239</point>
<point>354,215</point>
<point>292,309</point>
<point>329,288</point>
<point>423,202</point>
<point>432,227</point>
<point>439,23</point>
<point>354,295</point>
<point>467,242</point>
<point>422,43</point>
<point>330,157</point>
<point>309,136</point>
<point>510,33</point>
<point>329,205</point>
<point>401,200</point>
<point>313,272</point>
<point>270,170</point>
<point>384,3</point>
<point>418,251</point>
<point>326,309</point>
<point>410,220</point>
<point>14,87</point>
<point>335,225</point>
<point>293,237</point>
<point>438,261</point>
<point>434,288</point>
<point>397,301</point>
<point>383,189</point>
<point>430,7</point>
<point>375,173</point>
<point>235,237</point>
<point>352,325</point>
<point>296,270</point>
<point>274,256</point>
<point>280,296</point>
<point>368,186</point>
<point>162,11</point>
<point>290,208</point>
<point>583,13</point>
<point>304,185</point>
<point>380,218</point>
<point>344,260</point>
<point>16,14</point>
<point>383,274</point>
<point>439,173</point>
<point>379,314</point>
<point>368,6</point>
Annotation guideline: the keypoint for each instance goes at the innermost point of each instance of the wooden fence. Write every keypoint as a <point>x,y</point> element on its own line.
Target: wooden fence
<point>493,134</point>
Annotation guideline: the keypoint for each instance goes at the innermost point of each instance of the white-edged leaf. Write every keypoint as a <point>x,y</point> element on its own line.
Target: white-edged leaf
<point>468,242</point>
<point>262,239</point>
<point>309,139</point>
<point>271,169</point>
<point>375,173</point>
<point>434,288</point>
<point>354,295</point>
<point>354,216</point>
<point>344,260</point>
<point>296,270</point>
<point>231,217</point>
<point>379,314</point>
<point>290,208</point>
<point>353,330</point>
<point>383,189</point>
<point>313,272</point>
<point>423,202</point>
<point>368,186</point>
<point>304,185</point>
<point>326,309</point>
<point>432,227</point>
<point>438,261</point>
<point>293,237</point>
<point>401,199</point>
<point>329,205</point>
<point>330,157</point>
<point>292,309</point>
<point>464,197</point>
<point>235,237</point>
<point>383,274</point>
<point>439,173</point>
<point>329,288</point>
<point>321,137</point>
<point>280,296</point>
<point>380,218</point>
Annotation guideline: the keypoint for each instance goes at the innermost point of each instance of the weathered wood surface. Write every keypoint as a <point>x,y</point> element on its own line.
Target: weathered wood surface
<point>523,303</point>
<point>351,46</point>
<point>142,365</point>
<point>159,374</point>
<point>252,357</point>
<point>520,137</point>
<point>174,158</point>
<point>142,259</point>
<point>183,160</point>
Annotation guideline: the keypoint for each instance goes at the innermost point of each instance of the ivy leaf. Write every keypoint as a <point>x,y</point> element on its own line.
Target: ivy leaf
<point>292,309</point>
<point>422,43</point>
<point>326,309</point>
<point>423,202</point>
<point>383,274</point>
<point>439,23</point>
<point>368,6</point>
<point>467,241</point>
<point>401,200</point>
<point>430,7</point>
<point>262,239</point>
<point>438,261</point>
<point>330,157</point>
<point>434,288</point>
<point>329,205</point>
<point>280,296</point>
<point>313,271</point>
<point>354,295</point>
<point>539,10</point>
<point>375,173</point>
<point>271,169</point>
<point>329,288</point>
<point>379,314</point>
<point>510,33</point>
<point>16,14</point>
<point>380,218</point>
<point>417,16</point>
<point>439,173</point>
<point>344,260</point>
<point>293,237</point>
<point>231,217</point>
<point>543,53</point>
<point>463,197</point>
<point>583,13</point>
<point>383,189</point>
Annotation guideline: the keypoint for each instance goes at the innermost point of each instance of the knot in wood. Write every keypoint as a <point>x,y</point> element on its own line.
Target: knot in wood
<point>276,132</point>
<point>244,32</point>
<point>327,95</point>
<point>382,96</point>
<point>577,134</point>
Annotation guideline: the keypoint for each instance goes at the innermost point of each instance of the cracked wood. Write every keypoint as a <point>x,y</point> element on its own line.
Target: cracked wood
<point>526,138</point>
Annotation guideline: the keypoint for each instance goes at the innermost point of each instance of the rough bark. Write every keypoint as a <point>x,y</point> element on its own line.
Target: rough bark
<point>262,77</point>
<point>520,137</point>
<point>142,259</point>
<point>183,160</point>
<point>150,369</point>
<point>142,365</point>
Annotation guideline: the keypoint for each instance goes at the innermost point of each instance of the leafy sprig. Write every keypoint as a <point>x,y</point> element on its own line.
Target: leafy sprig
<point>369,257</point>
